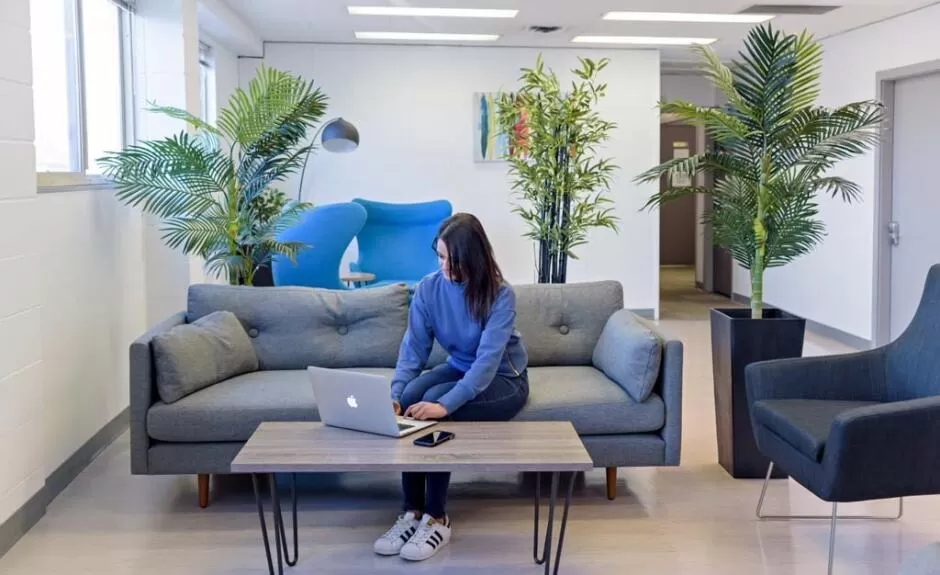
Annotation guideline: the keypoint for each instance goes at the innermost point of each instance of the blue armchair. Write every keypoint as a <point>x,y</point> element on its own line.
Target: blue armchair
<point>395,243</point>
<point>327,230</point>
<point>856,427</point>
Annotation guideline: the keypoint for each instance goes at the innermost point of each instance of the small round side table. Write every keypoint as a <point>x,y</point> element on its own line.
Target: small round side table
<point>357,279</point>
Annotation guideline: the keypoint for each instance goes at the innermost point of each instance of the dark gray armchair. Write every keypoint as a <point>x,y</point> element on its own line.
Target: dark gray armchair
<point>856,427</point>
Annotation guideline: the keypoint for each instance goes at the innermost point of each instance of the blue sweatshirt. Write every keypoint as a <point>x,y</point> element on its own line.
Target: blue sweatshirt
<point>439,310</point>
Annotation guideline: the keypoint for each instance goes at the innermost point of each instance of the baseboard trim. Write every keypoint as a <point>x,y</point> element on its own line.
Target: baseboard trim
<point>24,518</point>
<point>820,329</point>
<point>645,313</point>
<point>59,479</point>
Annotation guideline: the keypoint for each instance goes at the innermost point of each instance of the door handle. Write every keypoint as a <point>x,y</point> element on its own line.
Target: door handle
<point>894,233</point>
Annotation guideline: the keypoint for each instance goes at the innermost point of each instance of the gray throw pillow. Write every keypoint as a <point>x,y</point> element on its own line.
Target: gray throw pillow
<point>193,356</point>
<point>629,353</point>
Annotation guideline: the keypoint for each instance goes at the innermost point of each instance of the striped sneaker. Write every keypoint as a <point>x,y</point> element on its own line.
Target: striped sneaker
<point>429,539</point>
<point>395,538</point>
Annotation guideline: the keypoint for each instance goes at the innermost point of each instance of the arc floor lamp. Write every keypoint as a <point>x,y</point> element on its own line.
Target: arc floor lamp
<point>337,136</point>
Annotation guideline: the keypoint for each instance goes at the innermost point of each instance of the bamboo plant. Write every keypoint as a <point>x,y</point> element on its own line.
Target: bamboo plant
<point>561,184</point>
<point>214,187</point>
<point>774,151</point>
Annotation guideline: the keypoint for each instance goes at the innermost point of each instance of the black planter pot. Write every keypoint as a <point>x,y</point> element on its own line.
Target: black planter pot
<point>264,277</point>
<point>737,341</point>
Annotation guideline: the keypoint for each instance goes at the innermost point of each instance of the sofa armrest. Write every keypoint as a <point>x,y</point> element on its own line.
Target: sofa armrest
<point>143,390</point>
<point>886,450</point>
<point>669,387</point>
<point>850,377</point>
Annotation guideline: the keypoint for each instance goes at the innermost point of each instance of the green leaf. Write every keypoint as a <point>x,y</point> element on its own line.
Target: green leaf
<point>560,184</point>
<point>774,148</point>
<point>219,203</point>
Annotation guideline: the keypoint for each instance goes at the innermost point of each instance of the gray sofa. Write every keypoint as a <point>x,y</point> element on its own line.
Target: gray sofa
<point>291,328</point>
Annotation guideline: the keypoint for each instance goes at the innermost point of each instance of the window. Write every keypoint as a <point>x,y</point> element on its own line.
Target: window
<point>81,85</point>
<point>206,84</point>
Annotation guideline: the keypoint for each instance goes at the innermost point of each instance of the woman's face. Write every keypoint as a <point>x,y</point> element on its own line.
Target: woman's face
<point>443,260</point>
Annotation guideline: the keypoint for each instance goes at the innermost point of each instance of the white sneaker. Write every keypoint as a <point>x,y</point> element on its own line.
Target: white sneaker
<point>395,538</point>
<point>429,539</point>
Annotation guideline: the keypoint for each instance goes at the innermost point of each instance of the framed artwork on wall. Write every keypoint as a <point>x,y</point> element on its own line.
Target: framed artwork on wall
<point>488,144</point>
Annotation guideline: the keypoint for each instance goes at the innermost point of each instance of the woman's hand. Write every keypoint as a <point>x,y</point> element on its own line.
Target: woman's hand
<point>425,410</point>
<point>396,407</point>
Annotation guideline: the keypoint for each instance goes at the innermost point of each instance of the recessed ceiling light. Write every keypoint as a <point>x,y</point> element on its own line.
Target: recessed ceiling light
<point>642,40</point>
<point>688,17</point>
<point>430,12</point>
<point>423,36</point>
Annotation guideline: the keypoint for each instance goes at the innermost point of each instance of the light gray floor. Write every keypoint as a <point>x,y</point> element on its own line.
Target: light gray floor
<point>692,519</point>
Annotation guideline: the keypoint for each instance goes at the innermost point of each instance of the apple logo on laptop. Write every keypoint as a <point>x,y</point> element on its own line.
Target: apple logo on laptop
<point>351,401</point>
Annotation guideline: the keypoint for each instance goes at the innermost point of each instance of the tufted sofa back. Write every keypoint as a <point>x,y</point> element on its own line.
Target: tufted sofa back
<point>293,327</point>
<point>561,323</point>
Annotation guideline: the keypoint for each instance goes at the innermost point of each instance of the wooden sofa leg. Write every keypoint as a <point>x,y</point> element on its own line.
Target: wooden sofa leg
<point>203,490</point>
<point>611,483</point>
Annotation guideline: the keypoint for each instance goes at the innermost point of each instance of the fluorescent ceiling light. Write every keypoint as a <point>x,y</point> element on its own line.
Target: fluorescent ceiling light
<point>422,36</point>
<point>688,17</point>
<point>430,12</point>
<point>642,40</point>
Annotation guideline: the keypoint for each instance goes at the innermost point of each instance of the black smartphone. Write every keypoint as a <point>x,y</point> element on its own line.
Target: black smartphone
<point>434,438</point>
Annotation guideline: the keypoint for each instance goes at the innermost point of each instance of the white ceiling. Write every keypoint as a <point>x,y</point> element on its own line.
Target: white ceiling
<point>328,20</point>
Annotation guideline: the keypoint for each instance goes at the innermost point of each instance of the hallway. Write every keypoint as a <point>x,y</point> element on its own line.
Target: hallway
<point>680,299</point>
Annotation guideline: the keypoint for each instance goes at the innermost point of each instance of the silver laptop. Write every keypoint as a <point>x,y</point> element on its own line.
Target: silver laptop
<point>359,401</point>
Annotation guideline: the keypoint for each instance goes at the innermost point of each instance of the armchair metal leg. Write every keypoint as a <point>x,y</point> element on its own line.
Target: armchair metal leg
<point>763,517</point>
<point>832,518</point>
<point>832,536</point>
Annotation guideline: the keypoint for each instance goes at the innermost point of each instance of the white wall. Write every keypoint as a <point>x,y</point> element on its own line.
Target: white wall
<point>93,306</point>
<point>21,365</point>
<point>72,286</point>
<point>167,53</point>
<point>833,285</point>
<point>71,296</point>
<point>690,86</point>
<point>226,73</point>
<point>413,108</point>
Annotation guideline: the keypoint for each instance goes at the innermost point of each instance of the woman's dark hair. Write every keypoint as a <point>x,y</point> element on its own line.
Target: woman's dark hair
<point>471,262</point>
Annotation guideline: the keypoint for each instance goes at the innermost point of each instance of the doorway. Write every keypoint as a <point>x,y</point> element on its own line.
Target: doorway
<point>906,237</point>
<point>694,274</point>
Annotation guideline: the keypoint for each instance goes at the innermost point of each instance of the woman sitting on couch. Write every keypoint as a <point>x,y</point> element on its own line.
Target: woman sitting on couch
<point>471,311</point>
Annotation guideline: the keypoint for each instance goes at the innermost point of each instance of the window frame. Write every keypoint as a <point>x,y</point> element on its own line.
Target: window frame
<point>207,105</point>
<point>78,131</point>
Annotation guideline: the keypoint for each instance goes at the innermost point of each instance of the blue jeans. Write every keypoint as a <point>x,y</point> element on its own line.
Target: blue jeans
<point>500,401</point>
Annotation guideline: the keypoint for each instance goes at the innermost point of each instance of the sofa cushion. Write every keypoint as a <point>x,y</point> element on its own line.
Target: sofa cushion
<point>294,327</point>
<point>587,398</point>
<point>803,423</point>
<point>629,352</point>
<point>190,357</point>
<point>231,410</point>
<point>561,323</point>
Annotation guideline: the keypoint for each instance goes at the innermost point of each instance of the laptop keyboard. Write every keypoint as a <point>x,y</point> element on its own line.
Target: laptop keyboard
<point>404,426</point>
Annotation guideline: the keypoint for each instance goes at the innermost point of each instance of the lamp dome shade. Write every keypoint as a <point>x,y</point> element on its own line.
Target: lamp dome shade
<point>340,136</point>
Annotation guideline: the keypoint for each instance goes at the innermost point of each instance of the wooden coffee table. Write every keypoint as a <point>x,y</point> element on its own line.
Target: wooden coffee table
<point>304,447</point>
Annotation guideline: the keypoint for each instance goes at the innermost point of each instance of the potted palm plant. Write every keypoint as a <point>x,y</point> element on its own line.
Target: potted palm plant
<point>561,183</point>
<point>773,154</point>
<point>215,188</point>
